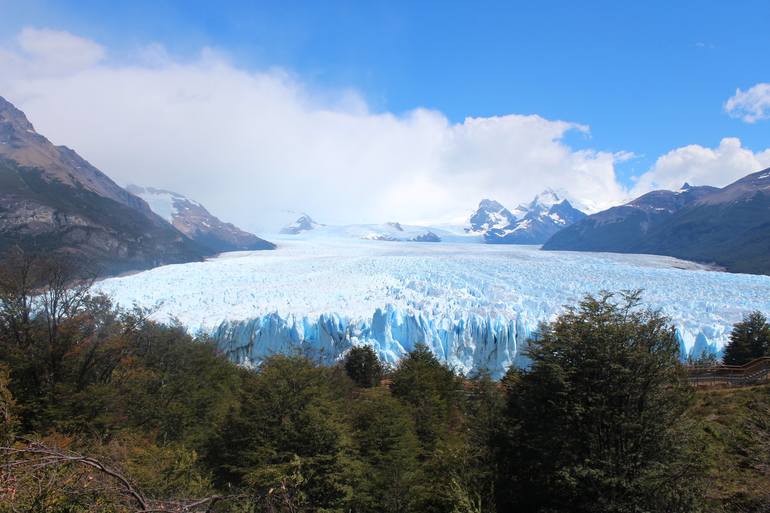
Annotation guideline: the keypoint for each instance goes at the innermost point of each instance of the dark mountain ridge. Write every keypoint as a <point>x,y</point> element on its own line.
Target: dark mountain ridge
<point>729,227</point>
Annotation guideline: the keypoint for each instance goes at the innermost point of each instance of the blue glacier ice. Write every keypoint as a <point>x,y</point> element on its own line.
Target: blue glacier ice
<point>467,343</point>
<point>473,305</point>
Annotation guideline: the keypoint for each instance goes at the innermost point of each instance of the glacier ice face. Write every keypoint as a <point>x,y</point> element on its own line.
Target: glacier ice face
<point>466,343</point>
<point>474,305</point>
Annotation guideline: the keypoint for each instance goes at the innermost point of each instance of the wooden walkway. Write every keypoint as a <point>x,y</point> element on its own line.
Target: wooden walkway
<point>752,373</point>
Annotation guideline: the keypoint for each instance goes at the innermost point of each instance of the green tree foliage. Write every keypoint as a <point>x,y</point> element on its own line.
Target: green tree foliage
<point>749,339</point>
<point>485,429</point>
<point>363,366</point>
<point>287,432</point>
<point>432,392</point>
<point>595,425</point>
<point>7,408</point>
<point>386,449</point>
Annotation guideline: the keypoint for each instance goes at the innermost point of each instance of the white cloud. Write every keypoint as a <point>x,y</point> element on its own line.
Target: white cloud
<point>751,105</point>
<point>699,165</point>
<point>248,144</point>
<point>46,52</point>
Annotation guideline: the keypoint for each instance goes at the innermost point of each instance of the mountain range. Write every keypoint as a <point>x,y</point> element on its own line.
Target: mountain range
<point>728,227</point>
<point>53,200</point>
<point>533,223</point>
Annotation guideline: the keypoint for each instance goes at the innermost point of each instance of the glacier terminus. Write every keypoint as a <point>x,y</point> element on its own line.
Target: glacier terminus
<point>473,305</point>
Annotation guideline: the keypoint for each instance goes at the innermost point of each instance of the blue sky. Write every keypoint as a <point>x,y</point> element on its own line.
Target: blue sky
<point>647,77</point>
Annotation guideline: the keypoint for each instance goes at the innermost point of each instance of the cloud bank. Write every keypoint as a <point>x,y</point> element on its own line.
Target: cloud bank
<point>751,105</point>
<point>699,165</point>
<point>252,144</point>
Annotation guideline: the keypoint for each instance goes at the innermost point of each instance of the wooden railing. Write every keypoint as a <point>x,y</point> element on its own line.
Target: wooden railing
<point>752,373</point>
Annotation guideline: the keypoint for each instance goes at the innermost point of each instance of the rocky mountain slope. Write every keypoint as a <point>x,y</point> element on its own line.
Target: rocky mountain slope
<point>52,200</point>
<point>533,223</point>
<point>192,219</point>
<point>729,227</point>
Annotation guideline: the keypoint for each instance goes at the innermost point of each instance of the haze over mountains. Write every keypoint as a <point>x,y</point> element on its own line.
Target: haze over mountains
<point>51,199</point>
<point>391,231</point>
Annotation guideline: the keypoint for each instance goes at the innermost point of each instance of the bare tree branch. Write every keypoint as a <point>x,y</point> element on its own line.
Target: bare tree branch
<point>36,456</point>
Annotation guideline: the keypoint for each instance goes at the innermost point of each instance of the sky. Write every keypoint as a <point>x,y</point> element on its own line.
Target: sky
<point>395,111</point>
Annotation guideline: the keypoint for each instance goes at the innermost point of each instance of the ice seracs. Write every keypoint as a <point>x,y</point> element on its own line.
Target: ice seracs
<point>474,305</point>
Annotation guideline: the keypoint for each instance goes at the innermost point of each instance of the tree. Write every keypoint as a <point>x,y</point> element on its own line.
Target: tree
<point>597,424</point>
<point>749,339</point>
<point>430,388</point>
<point>287,433</point>
<point>363,366</point>
<point>7,408</point>
<point>485,435</point>
<point>386,451</point>
<point>19,279</point>
<point>42,300</point>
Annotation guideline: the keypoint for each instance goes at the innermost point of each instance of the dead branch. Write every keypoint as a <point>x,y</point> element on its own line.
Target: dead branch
<point>36,456</point>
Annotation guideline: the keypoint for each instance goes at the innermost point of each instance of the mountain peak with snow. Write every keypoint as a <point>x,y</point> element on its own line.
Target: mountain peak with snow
<point>192,219</point>
<point>489,215</point>
<point>533,223</point>
<point>303,223</point>
<point>546,199</point>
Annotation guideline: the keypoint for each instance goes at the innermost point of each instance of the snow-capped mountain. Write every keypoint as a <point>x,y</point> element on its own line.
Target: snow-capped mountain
<point>390,231</point>
<point>533,223</point>
<point>192,219</point>
<point>303,224</point>
<point>491,215</point>
<point>306,227</point>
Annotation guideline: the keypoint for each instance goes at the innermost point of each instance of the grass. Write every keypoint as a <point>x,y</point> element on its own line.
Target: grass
<point>735,425</point>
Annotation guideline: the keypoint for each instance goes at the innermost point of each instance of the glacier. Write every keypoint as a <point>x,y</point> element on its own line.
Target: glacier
<point>473,305</point>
